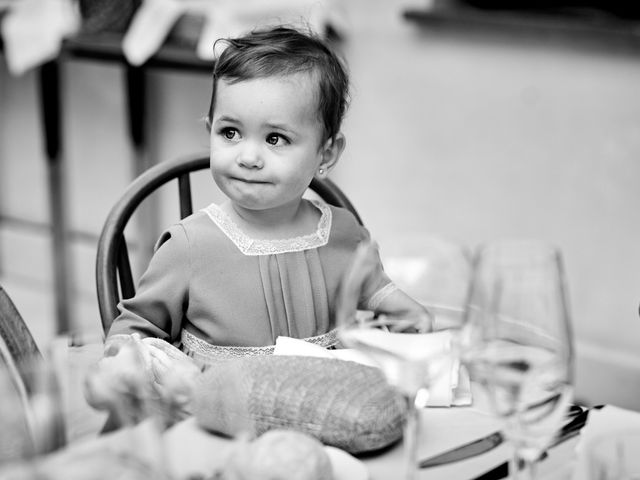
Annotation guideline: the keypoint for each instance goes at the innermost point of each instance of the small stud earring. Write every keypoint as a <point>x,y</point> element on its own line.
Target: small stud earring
<point>321,171</point>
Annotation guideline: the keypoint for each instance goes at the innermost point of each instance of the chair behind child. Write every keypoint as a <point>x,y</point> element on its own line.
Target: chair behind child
<point>114,277</point>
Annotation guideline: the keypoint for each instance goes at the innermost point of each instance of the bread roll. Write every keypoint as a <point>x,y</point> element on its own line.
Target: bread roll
<point>279,455</point>
<point>343,404</point>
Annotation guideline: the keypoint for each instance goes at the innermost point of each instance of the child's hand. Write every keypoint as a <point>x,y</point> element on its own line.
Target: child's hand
<point>399,303</point>
<point>116,380</point>
<point>174,373</point>
<point>141,376</point>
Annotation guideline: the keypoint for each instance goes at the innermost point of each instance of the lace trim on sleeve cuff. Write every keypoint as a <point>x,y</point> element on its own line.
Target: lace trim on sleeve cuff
<point>376,299</point>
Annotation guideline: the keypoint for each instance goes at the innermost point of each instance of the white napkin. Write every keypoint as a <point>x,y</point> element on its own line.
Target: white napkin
<point>609,420</point>
<point>451,389</point>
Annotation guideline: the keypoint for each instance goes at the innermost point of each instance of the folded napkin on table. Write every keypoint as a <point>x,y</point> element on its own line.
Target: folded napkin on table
<point>451,388</point>
<point>608,421</point>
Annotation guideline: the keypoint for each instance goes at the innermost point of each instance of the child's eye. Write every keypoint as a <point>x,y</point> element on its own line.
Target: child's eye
<point>275,139</point>
<point>228,133</point>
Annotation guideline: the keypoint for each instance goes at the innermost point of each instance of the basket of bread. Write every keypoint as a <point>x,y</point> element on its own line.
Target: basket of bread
<point>341,403</point>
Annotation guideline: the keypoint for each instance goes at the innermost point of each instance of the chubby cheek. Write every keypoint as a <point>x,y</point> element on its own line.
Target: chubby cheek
<point>219,158</point>
<point>222,183</point>
<point>217,145</point>
<point>214,148</point>
<point>217,166</point>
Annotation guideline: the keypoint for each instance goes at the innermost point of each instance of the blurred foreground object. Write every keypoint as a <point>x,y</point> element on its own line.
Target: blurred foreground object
<point>517,343</point>
<point>279,454</point>
<point>16,442</point>
<point>33,31</point>
<point>437,273</point>
<point>609,445</point>
<point>30,421</point>
<point>341,403</point>
<point>142,378</point>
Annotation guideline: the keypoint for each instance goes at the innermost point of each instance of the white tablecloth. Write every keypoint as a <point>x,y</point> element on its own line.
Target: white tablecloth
<point>192,450</point>
<point>186,450</point>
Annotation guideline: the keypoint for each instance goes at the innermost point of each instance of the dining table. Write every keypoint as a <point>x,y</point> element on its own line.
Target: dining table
<point>190,450</point>
<point>186,451</point>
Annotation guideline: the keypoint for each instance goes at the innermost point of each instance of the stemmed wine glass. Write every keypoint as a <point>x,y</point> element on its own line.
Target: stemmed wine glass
<point>517,343</point>
<point>409,353</point>
<point>31,423</point>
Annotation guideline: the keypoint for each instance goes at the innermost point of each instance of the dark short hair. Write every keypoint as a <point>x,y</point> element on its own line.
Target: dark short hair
<point>284,51</point>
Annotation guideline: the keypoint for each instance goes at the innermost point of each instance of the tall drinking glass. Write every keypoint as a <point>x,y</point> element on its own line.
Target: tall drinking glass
<point>30,416</point>
<point>517,343</point>
<point>404,346</point>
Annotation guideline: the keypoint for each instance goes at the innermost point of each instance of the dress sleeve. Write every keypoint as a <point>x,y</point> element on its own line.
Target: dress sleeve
<point>377,286</point>
<point>158,307</point>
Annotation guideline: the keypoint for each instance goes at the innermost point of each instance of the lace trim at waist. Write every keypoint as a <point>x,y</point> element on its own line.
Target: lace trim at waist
<point>195,346</point>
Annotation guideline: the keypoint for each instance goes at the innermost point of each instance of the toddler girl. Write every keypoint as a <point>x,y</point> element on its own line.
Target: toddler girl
<point>231,278</point>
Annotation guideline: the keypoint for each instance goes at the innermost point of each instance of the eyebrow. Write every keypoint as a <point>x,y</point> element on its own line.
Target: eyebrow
<point>269,126</point>
<point>280,126</point>
<point>226,118</point>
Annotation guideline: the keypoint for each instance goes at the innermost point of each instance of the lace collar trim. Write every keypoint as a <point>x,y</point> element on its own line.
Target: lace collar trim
<point>254,246</point>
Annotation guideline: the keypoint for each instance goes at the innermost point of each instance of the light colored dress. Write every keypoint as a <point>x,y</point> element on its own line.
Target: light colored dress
<point>213,290</point>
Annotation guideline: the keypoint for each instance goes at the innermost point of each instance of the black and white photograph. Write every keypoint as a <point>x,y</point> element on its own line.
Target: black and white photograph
<point>319,240</point>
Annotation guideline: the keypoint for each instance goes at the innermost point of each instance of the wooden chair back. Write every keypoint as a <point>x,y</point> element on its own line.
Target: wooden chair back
<point>114,278</point>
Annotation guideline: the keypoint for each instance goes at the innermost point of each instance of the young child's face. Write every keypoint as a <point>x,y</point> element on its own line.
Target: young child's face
<point>266,139</point>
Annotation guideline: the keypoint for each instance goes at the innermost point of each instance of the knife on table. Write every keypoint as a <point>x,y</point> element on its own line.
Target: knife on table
<point>467,450</point>
<point>484,444</point>
<point>502,470</point>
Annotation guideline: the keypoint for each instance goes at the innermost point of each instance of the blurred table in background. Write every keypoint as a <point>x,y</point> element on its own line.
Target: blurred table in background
<point>98,47</point>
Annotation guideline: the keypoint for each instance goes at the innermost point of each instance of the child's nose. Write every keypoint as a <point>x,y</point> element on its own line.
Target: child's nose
<point>249,156</point>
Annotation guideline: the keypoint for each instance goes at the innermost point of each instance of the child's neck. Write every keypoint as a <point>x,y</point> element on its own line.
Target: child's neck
<point>272,224</point>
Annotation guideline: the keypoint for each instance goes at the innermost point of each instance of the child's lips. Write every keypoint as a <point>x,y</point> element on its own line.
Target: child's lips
<point>250,180</point>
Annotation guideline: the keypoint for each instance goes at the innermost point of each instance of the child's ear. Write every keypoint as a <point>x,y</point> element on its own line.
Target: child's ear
<point>331,152</point>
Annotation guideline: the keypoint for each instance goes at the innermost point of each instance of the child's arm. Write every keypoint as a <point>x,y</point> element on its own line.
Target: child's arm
<point>398,302</point>
<point>366,280</point>
<point>157,309</point>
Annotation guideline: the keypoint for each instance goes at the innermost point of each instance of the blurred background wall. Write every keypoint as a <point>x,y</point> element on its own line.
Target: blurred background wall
<point>468,136</point>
